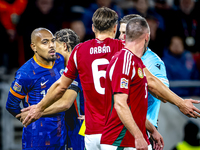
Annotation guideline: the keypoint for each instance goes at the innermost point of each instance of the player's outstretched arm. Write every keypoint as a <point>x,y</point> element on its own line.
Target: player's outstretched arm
<point>124,113</point>
<point>157,138</point>
<point>60,105</point>
<point>162,91</point>
<point>63,104</point>
<point>55,92</point>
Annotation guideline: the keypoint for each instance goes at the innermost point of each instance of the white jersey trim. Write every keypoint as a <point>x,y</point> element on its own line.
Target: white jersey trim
<point>112,69</point>
<point>75,58</point>
<point>133,73</point>
<point>127,62</point>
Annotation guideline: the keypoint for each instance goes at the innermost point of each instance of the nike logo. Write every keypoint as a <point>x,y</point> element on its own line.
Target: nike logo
<point>42,84</point>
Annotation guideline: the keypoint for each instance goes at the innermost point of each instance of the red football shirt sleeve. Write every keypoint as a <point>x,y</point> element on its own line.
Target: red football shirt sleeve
<point>122,73</point>
<point>71,69</point>
<point>143,64</point>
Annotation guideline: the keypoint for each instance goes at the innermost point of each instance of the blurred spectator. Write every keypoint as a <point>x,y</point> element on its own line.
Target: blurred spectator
<point>180,65</point>
<point>157,42</point>
<point>164,7</point>
<point>141,7</point>
<point>78,27</point>
<point>87,16</point>
<point>39,13</point>
<point>185,22</point>
<point>10,11</point>
<point>191,140</point>
<point>197,58</point>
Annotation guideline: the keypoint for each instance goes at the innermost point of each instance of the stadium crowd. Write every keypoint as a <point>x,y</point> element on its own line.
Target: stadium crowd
<point>167,19</point>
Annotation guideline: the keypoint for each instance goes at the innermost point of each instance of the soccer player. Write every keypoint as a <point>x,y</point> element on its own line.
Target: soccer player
<point>155,65</point>
<point>31,84</point>
<point>90,60</point>
<point>66,40</point>
<point>126,93</point>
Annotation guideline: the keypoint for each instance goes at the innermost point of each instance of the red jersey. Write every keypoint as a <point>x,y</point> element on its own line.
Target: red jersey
<point>125,75</point>
<point>90,60</point>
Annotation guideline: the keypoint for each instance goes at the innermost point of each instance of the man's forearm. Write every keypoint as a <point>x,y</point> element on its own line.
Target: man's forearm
<point>161,90</point>
<point>62,104</point>
<point>125,115</point>
<point>55,92</point>
<point>149,126</point>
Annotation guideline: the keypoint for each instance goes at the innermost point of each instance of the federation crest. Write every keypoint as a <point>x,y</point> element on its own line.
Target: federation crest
<point>17,87</point>
<point>140,73</point>
<point>124,83</point>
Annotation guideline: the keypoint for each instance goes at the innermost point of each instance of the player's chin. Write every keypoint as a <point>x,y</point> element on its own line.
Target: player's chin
<point>52,58</point>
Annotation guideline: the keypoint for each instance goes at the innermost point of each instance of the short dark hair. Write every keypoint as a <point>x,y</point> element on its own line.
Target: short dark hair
<point>136,27</point>
<point>104,19</point>
<point>126,18</point>
<point>68,36</point>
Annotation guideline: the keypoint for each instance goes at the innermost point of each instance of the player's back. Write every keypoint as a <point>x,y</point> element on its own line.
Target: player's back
<point>91,59</point>
<point>125,75</point>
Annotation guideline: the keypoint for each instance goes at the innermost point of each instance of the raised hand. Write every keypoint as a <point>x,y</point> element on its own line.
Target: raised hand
<point>187,108</point>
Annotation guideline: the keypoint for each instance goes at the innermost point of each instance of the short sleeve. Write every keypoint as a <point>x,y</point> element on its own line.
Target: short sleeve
<point>122,73</point>
<point>71,69</point>
<point>158,69</point>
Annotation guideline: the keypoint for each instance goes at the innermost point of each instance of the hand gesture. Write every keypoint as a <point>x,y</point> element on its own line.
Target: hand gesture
<point>189,109</point>
<point>34,114</point>
<point>158,143</point>
<point>22,116</point>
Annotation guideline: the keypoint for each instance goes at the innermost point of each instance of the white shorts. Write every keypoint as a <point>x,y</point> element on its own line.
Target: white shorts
<point>111,147</point>
<point>92,141</point>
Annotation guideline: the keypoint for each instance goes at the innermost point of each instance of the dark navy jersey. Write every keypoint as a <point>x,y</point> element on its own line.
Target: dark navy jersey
<point>31,84</point>
<point>73,124</point>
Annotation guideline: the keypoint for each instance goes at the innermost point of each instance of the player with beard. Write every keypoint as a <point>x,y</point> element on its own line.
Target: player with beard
<point>31,84</point>
<point>155,65</point>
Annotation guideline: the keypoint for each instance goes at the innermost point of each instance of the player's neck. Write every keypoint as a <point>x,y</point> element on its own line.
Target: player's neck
<point>103,36</point>
<point>136,47</point>
<point>43,61</point>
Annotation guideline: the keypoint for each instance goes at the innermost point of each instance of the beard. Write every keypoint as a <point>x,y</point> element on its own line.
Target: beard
<point>53,58</point>
<point>49,59</point>
<point>145,46</point>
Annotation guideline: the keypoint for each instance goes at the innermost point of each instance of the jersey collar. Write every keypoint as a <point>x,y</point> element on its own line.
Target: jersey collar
<point>42,65</point>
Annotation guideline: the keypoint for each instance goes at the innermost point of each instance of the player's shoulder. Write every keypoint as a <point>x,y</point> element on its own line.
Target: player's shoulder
<point>125,54</point>
<point>59,58</point>
<point>26,67</point>
<point>151,57</point>
<point>116,41</point>
<point>24,72</point>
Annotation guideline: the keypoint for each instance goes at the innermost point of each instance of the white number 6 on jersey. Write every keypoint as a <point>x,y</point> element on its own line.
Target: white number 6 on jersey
<point>98,74</point>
